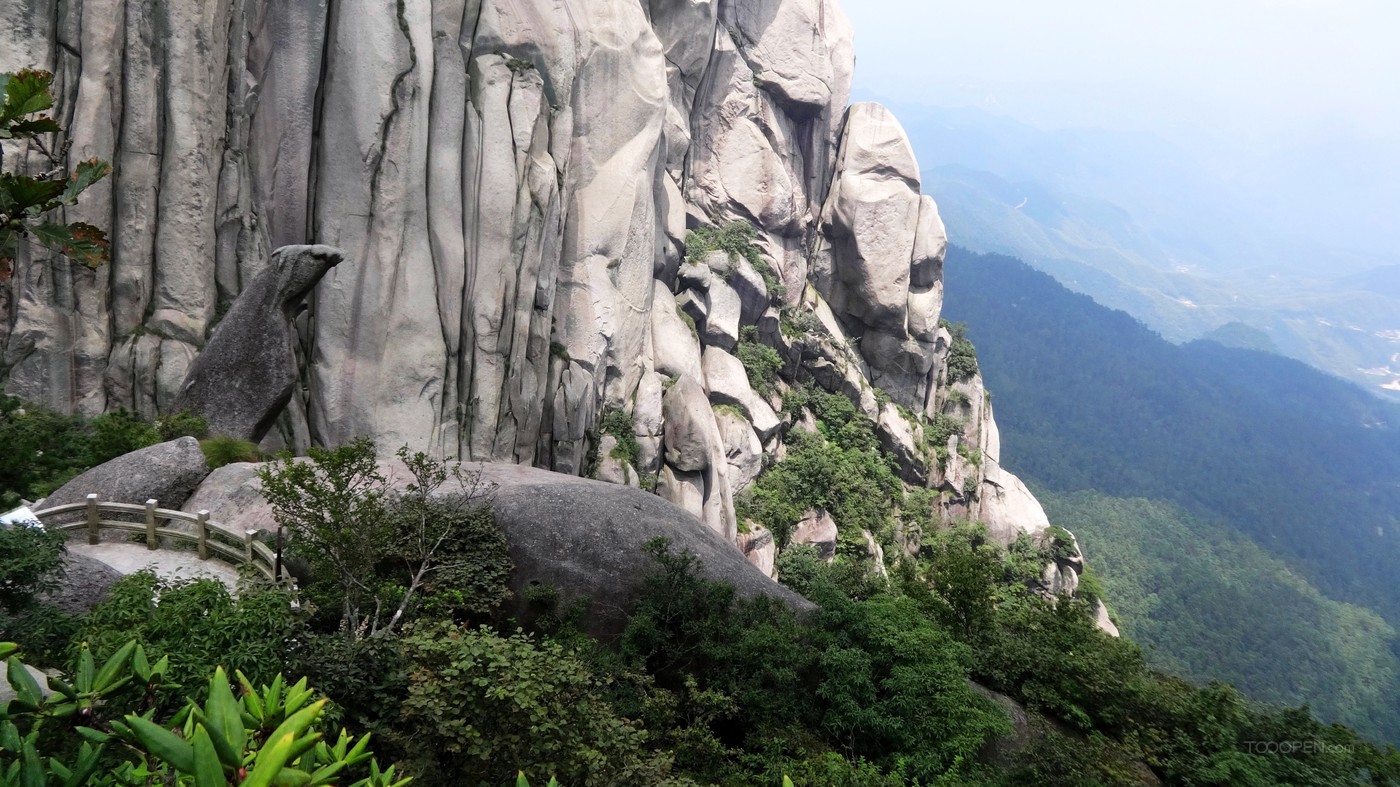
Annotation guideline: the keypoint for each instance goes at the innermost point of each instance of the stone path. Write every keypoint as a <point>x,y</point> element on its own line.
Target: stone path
<point>129,557</point>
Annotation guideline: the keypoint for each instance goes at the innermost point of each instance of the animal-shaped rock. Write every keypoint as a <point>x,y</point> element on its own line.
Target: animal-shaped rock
<point>243,379</point>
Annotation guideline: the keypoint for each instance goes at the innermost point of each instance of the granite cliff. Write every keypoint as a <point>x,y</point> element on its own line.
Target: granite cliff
<point>514,185</point>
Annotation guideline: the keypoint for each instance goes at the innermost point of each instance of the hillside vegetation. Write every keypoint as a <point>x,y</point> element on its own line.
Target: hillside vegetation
<point>1289,470</point>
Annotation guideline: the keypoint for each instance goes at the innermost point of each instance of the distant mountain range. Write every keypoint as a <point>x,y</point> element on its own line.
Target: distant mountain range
<point>1241,503</point>
<point>1186,246</point>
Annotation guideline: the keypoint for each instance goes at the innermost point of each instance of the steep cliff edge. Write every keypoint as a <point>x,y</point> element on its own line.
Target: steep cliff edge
<point>514,185</point>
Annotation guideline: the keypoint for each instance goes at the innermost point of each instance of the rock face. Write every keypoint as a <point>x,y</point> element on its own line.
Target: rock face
<point>243,379</point>
<point>514,183</point>
<point>167,473</point>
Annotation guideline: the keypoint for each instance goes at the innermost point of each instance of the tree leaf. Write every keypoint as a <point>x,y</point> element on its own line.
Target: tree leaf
<point>26,688</point>
<point>81,243</point>
<point>107,676</point>
<point>164,744</point>
<point>30,128</point>
<point>26,92</point>
<point>208,770</point>
<point>283,745</point>
<point>84,175</point>
<point>21,194</point>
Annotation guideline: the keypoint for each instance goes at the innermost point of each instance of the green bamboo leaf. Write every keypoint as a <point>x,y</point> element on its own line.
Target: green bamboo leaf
<point>86,669</point>
<point>208,770</point>
<point>26,688</point>
<point>31,767</point>
<point>9,736</point>
<point>224,713</point>
<point>107,676</point>
<point>520,780</point>
<point>293,777</point>
<point>787,782</point>
<point>89,758</point>
<point>282,746</point>
<point>230,755</point>
<point>250,698</point>
<point>96,736</point>
<point>164,744</point>
<point>63,687</point>
<point>140,665</point>
<point>325,773</point>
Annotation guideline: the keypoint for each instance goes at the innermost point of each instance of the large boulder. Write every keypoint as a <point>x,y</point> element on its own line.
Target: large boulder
<point>167,473</point>
<point>243,379</point>
<point>587,540</point>
<point>232,495</point>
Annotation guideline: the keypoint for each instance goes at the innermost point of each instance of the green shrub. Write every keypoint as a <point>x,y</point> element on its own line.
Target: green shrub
<point>220,451</point>
<point>841,470</point>
<point>183,424</point>
<point>31,564</point>
<point>481,708</point>
<point>196,624</point>
<point>761,364</point>
<point>962,356</point>
<point>796,322</point>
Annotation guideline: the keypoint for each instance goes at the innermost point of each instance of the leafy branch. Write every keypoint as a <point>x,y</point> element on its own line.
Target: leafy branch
<point>26,201</point>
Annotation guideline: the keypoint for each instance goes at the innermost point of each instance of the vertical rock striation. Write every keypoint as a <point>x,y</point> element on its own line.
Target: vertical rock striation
<point>514,181</point>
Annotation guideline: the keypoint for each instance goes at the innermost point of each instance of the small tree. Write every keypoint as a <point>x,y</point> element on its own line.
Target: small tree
<point>386,552</point>
<point>25,201</point>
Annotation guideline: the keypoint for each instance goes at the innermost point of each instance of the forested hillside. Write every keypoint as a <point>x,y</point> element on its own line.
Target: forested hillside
<point>1293,471</point>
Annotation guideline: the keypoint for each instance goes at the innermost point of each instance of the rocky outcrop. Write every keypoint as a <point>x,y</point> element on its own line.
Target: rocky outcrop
<point>167,473</point>
<point>514,183</point>
<point>243,380</point>
<point>585,539</point>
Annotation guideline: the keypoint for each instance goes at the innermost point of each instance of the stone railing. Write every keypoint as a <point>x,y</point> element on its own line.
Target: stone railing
<point>210,539</point>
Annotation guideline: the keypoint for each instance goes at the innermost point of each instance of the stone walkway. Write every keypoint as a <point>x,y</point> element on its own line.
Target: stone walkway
<point>129,557</point>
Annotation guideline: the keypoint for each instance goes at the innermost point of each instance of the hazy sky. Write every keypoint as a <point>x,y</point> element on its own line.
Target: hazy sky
<point>1136,63</point>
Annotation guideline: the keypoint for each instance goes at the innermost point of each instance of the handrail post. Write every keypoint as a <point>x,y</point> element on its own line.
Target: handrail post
<point>151,541</point>
<point>93,519</point>
<point>201,529</point>
<point>248,544</point>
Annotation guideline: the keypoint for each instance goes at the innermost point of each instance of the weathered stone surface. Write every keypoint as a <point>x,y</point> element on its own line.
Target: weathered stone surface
<point>243,380</point>
<point>586,539</point>
<point>759,548</point>
<point>742,449</point>
<point>613,469</point>
<point>901,439</point>
<point>1008,507</point>
<point>515,182</point>
<point>86,583</point>
<point>676,348</point>
<point>723,311</point>
<point>818,529</point>
<point>692,440</point>
<point>729,384</point>
<point>684,490</point>
<point>167,473</point>
<point>232,495</point>
<point>1103,621</point>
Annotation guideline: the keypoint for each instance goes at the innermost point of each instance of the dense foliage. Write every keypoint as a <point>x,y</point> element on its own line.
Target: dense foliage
<point>1207,604</point>
<point>839,469</point>
<point>45,450</point>
<point>875,687</point>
